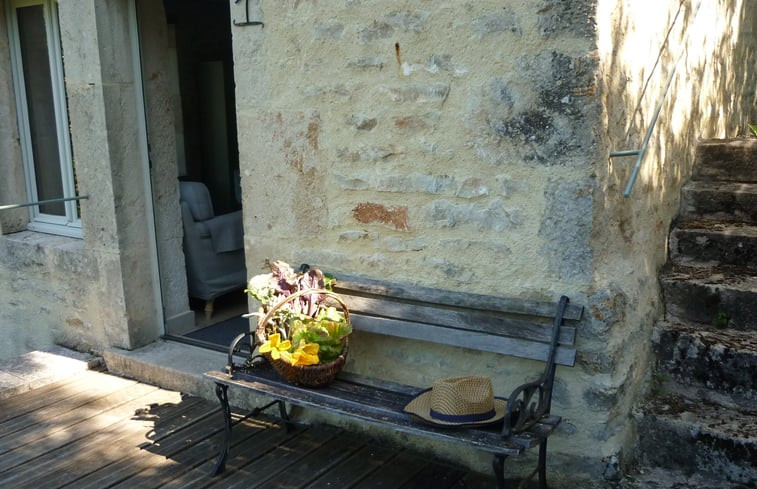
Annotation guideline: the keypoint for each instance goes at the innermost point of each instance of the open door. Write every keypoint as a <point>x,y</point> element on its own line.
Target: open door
<point>189,67</point>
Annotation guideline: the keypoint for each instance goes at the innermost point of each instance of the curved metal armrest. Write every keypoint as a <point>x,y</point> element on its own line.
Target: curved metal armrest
<point>236,347</point>
<point>527,404</point>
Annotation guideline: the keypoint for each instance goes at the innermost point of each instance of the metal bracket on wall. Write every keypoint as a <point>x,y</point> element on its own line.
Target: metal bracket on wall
<point>247,16</point>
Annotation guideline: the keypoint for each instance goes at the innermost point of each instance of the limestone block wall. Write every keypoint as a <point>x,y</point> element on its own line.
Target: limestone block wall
<point>12,187</point>
<point>466,145</point>
<point>711,95</point>
<point>98,291</point>
<point>159,88</point>
<point>448,144</point>
<point>55,292</point>
<point>445,145</point>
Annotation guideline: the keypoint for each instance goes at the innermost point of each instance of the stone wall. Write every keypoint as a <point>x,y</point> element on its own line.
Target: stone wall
<point>159,86</point>
<point>449,145</point>
<point>711,95</point>
<point>12,189</point>
<point>458,145</point>
<point>465,145</point>
<point>98,291</point>
<point>422,144</point>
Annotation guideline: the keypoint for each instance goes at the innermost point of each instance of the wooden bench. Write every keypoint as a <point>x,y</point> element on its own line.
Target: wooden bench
<point>510,327</point>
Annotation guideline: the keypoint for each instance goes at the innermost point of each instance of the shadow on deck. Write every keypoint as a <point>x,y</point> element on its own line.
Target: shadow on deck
<point>96,430</point>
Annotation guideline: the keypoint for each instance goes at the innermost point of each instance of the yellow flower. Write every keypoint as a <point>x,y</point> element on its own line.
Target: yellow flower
<point>306,354</point>
<point>275,346</point>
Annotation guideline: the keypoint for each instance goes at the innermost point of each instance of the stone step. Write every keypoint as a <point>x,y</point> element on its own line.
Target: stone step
<point>712,243</point>
<point>648,477</point>
<point>698,437</point>
<point>724,361</point>
<point>176,366</point>
<point>718,297</point>
<point>723,201</point>
<point>726,160</point>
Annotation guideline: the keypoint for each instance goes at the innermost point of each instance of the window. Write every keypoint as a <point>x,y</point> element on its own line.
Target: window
<point>37,65</point>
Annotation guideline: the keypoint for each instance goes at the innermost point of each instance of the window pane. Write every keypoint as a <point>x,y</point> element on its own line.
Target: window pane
<point>40,104</point>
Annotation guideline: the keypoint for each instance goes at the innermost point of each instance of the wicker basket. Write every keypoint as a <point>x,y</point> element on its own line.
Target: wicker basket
<point>306,375</point>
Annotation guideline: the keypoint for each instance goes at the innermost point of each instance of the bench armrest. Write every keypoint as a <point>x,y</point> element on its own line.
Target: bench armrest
<point>236,347</point>
<point>529,402</point>
<point>526,406</point>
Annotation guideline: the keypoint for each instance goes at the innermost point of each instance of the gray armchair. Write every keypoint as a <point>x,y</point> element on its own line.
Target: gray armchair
<point>213,246</point>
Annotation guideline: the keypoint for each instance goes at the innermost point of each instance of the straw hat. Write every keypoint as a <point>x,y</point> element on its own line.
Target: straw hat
<point>458,401</point>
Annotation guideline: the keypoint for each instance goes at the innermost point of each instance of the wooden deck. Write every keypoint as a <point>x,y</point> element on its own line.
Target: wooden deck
<point>99,431</point>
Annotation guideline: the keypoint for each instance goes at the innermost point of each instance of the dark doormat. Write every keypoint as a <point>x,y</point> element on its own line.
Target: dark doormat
<point>222,333</point>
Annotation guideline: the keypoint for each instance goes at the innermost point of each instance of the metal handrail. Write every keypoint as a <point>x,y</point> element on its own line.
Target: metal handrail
<point>639,153</point>
<point>42,202</point>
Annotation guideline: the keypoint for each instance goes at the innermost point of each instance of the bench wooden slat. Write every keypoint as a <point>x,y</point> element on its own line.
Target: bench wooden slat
<point>349,285</point>
<point>336,398</point>
<point>510,327</point>
<point>467,320</point>
<point>537,432</point>
<point>378,384</point>
<point>465,339</point>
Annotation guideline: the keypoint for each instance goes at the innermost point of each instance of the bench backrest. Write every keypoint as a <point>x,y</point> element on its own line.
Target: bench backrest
<point>511,327</point>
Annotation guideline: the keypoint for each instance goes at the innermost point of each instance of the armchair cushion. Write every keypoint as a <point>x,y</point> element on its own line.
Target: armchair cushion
<point>226,232</point>
<point>196,195</point>
<point>213,246</point>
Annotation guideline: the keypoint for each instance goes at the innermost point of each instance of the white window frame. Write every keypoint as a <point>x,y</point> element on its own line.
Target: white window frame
<point>70,223</point>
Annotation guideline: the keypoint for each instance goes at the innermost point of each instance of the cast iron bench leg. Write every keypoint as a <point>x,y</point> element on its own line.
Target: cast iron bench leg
<point>498,464</point>
<point>542,468</point>
<point>223,396</point>
<point>282,412</point>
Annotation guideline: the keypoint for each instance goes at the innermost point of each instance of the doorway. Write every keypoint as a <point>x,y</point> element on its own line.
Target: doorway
<point>194,71</point>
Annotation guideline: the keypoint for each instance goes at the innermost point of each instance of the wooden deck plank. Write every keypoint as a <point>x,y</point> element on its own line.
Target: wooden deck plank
<point>29,401</point>
<point>183,451</point>
<point>144,437</point>
<point>70,462</point>
<point>246,446</point>
<point>179,452</point>
<point>436,476</point>
<point>271,465</point>
<point>315,463</point>
<point>399,471</point>
<point>67,408</point>
<point>128,465</point>
<point>352,470</point>
<point>17,451</point>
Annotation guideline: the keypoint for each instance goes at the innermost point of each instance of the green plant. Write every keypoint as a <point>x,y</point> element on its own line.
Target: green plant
<point>753,128</point>
<point>657,384</point>
<point>721,320</point>
<point>302,330</point>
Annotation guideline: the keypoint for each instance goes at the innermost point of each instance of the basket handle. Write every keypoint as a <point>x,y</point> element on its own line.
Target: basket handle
<point>299,294</point>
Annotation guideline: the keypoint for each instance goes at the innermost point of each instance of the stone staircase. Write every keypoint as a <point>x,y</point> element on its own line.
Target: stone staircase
<point>701,416</point>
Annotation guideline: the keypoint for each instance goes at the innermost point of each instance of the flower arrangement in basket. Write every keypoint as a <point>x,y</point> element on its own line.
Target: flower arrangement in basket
<point>300,330</point>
